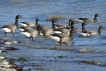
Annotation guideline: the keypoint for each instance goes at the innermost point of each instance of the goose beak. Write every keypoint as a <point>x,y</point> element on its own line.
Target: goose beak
<point>20,16</point>
<point>98,15</point>
<point>104,28</point>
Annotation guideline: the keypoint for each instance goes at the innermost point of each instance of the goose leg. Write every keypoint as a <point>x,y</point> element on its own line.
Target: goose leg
<point>65,44</point>
<point>5,34</point>
<point>13,34</point>
<point>28,38</point>
<point>72,42</point>
<point>60,42</point>
<point>33,40</point>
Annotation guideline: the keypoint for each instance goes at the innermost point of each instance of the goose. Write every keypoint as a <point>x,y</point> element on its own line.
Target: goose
<point>45,31</point>
<point>93,33</point>
<point>63,38</point>
<point>89,19</point>
<point>58,26</point>
<point>30,33</point>
<point>83,31</point>
<point>11,28</point>
<point>24,28</point>
<point>30,23</point>
<point>55,25</point>
<point>28,27</point>
<point>63,30</point>
<point>86,33</point>
<point>67,29</point>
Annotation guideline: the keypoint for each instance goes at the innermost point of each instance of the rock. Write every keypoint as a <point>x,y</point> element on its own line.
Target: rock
<point>19,68</point>
<point>8,42</point>
<point>61,56</point>
<point>5,65</point>
<point>5,62</point>
<point>2,51</point>
<point>22,59</point>
<point>1,57</point>
<point>11,48</point>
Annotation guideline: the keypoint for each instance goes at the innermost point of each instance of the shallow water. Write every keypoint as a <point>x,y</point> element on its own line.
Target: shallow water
<point>42,9</point>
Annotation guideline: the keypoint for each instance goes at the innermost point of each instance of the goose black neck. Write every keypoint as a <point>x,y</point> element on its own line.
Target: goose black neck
<point>36,22</point>
<point>95,19</point>
<point>72,30</point>
<point>53,24</point>
<point>71,34</point>
<point>16,22</point>
<point>99,31</point>
<point>72,25</point>
<point>69,22</point>
<point>83,26</point>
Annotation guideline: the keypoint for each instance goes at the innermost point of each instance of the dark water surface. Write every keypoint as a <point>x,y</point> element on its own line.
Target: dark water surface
<point>42,9</point>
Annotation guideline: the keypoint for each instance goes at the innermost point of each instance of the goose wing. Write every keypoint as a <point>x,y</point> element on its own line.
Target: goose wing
<point>61,35</point>
<point>27,23</point>
<point>85,19</point>
<point>92,32</point>
<point>10,26</point>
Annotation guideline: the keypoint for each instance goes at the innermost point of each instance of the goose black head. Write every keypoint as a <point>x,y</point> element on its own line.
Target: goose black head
<point>97,15</point>
<point>100,27</point>
<point>37,19</point>
<point>71,20</point>
<point>18,16</point>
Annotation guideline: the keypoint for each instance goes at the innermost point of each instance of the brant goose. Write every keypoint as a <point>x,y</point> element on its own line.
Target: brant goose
<point>89,19</point>
<point>24,28</point>
<point>63,38</point>
<point>65,30</point>
<point>68,28</point>
<point>11,28</point>
<point>58,26</point>
<point>92,32</point>
<point>31,33</point>
<point>83,31</point>
<point>30,23</point>
<point>86,33</point>
<point>45,31</point>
